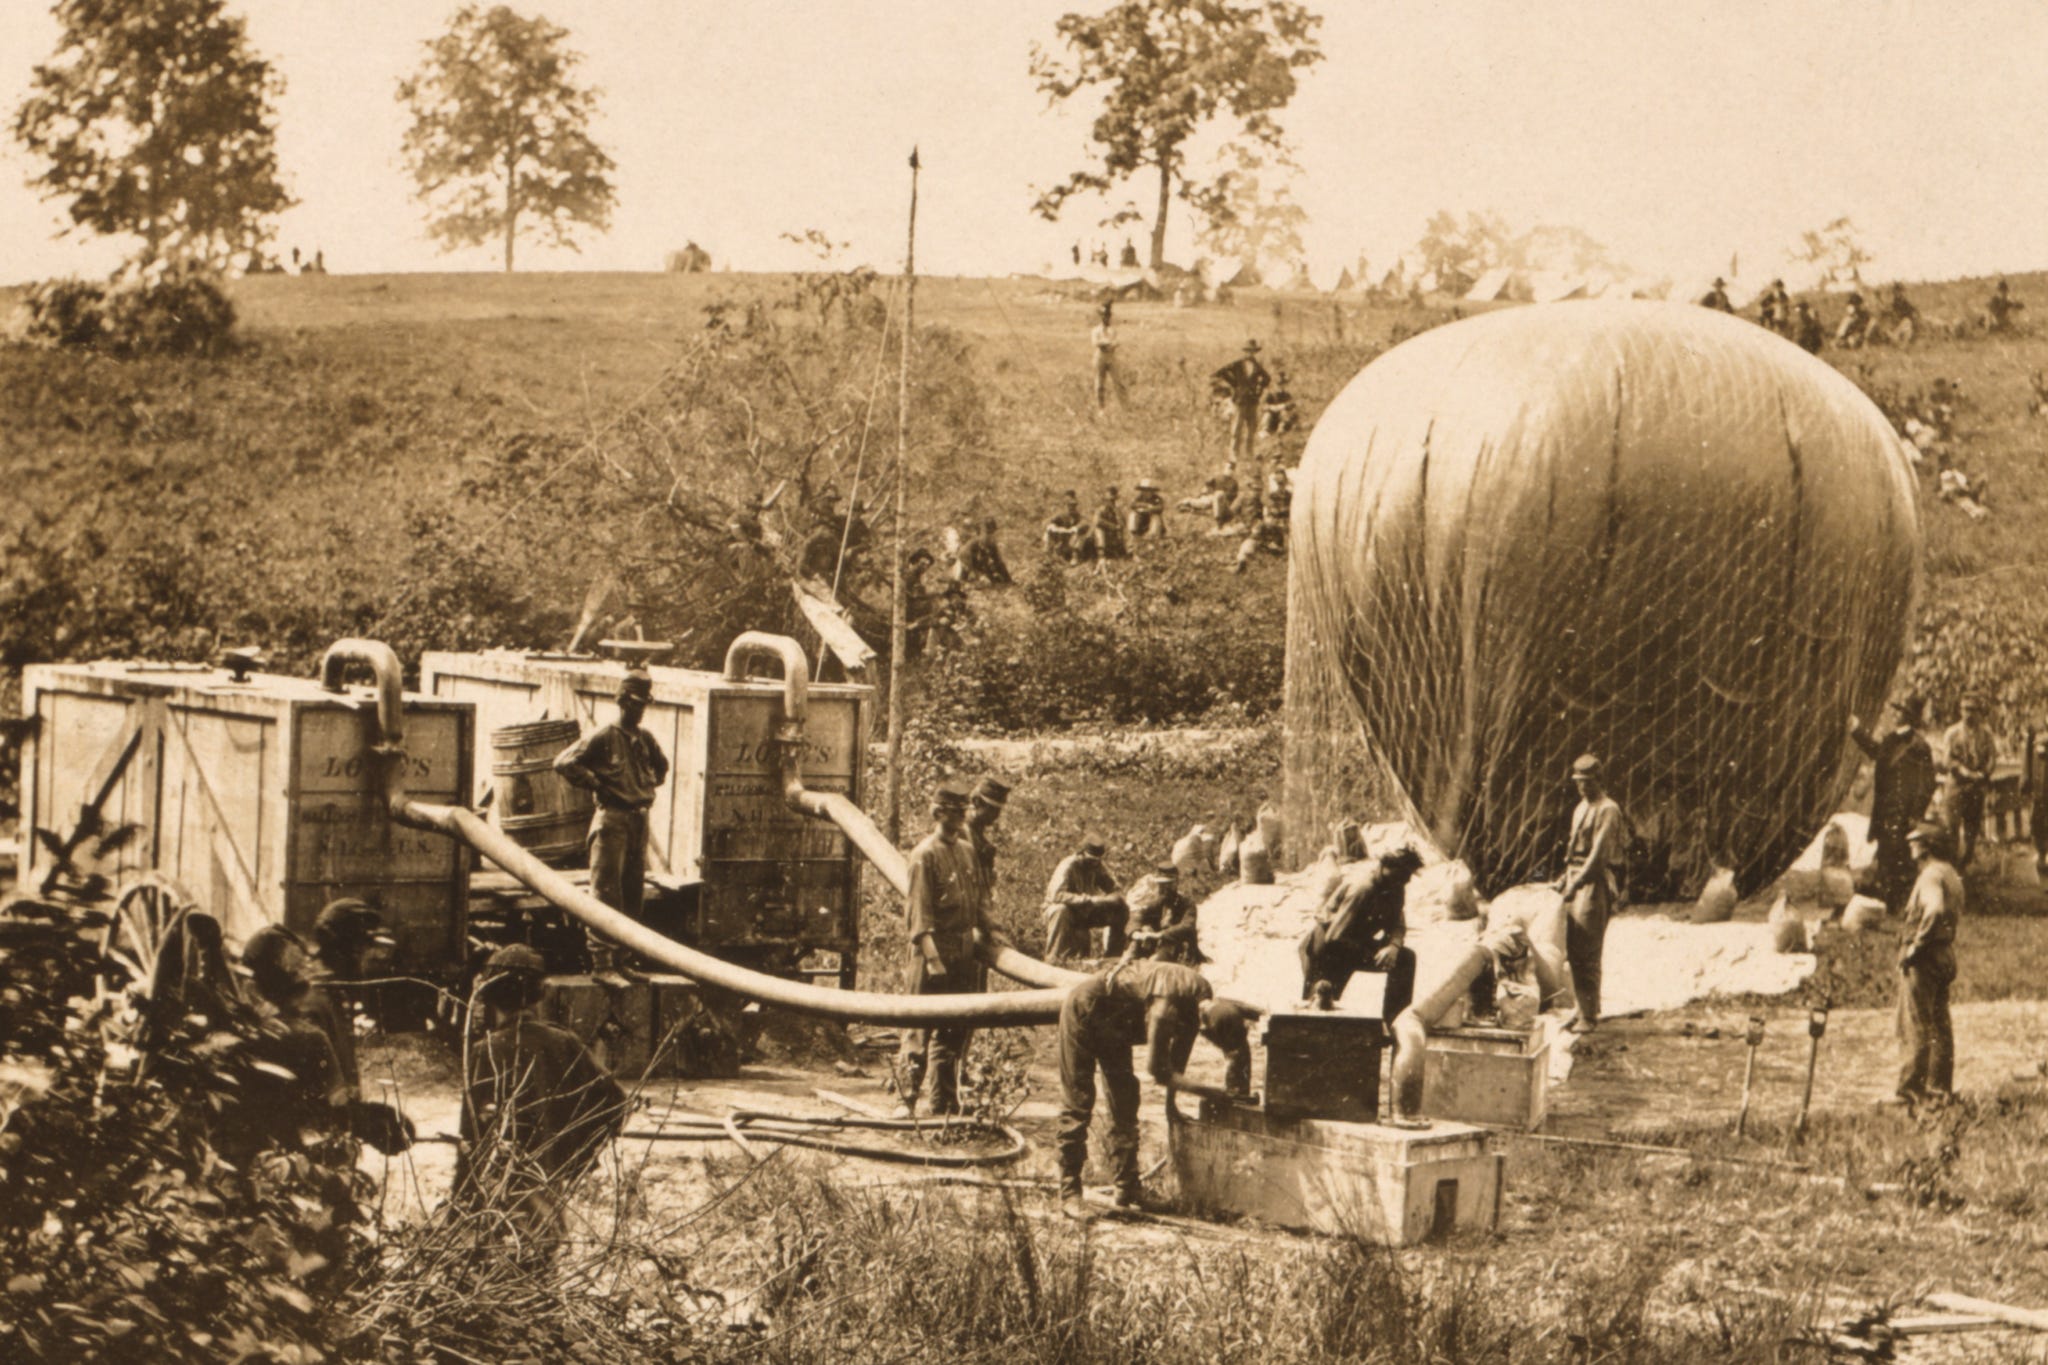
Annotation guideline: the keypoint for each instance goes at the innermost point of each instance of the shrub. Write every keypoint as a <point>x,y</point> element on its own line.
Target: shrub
<point>65,312</point>
<point>181,312</point>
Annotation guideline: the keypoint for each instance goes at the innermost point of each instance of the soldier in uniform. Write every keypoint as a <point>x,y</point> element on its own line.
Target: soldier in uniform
<point>1927,968</point>
<point>1362,923</point>
<point>948,912</point>
<point>1716,297</point>
<point>1082,897</point>
<point>1971,751</point>
<point>1902,783</point>
<point>1806,329</point>
<point>1162,919</point>
<point>2000,309</point>
<point>1242,383</point>
<point>622,766</point>
<point>1148,511</point>
<point>1162,1005</point>
<point>1591,885</point>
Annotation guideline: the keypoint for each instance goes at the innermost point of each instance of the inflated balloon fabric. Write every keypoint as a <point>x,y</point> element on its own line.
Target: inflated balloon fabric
<point>1648,531</point>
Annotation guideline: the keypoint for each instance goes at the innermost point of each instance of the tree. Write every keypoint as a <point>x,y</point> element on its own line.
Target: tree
<point>1169,68</point>
<point>1255,217</point>
<point>500,140</point>
<point>156,118</point>
<point>1468,249</point>
<point>1836,249</point>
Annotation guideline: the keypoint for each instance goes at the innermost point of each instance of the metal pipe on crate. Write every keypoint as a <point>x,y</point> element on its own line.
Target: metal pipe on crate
<point>389,746</point>
<point>840,809</point>
<point>992,1009</point>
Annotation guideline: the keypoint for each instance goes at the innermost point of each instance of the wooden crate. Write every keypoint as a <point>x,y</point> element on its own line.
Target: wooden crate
<point>1391,1186</point>
<point>771,878</point>
<point>255,797</point>
<point>1495,1076</point>
<point>1323,1064</point>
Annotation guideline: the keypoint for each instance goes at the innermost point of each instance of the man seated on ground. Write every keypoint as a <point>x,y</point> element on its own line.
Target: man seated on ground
<point>1277,411</point>
<point>1162,1005</point>
<point>1268,534</point>
<point>1902,319</point>
<point>1716,297</point>
<point>347,933</point>
<point>1854,330</point>
<point>1162,919</point>
<point>304,1087</point>
<point>1081,898</point>
<point>1108,531</point>
<point>539,1110</point>
<point>1063,532</point>
<point>982,558</point>
<point>1219,498</point>
<point>1148,511</point>
<point>1360,925</point>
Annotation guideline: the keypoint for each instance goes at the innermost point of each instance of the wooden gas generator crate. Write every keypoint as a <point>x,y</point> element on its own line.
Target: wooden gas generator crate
<point>1495,1076</point>
<point>1392,1186</point>
<point>769,879</point>
<point>255,794</point>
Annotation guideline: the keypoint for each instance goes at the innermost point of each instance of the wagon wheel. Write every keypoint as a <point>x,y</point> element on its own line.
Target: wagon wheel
<point>160,959</point>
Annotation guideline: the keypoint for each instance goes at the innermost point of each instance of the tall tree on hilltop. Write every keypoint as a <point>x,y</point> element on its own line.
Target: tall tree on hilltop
<point>1167,69</point>
<point>154,117</point>
<point>500,140</point>
<point>1255,217</point>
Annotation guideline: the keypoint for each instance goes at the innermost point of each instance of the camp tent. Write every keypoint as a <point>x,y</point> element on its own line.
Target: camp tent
<point>1492,287</point>
<point>1553,286</point>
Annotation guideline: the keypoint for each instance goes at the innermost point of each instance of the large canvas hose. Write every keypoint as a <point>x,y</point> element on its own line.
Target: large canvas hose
<point>994,1008</point>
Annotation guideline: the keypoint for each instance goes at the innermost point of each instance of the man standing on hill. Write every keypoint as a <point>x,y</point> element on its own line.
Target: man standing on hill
<point>1162,1005</point>
<point>1999,311</point>
<point>622,766</point>
<point>1902,783</point>
<point>1806,329</point>
<point>1591,885</point>
<point>1927,968</point>
<point>1972,752</point>
<point>1104,340</point>
<point>1243,384</point>
<point>1716,297</point>
<point>1774,308</point>
<point>948,911</point>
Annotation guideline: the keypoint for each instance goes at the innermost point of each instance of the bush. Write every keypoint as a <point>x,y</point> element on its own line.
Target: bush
<point>177,312</point>
<point>65,312</point>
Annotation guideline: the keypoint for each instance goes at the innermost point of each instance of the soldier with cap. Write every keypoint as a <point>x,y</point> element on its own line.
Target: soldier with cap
<point>1805,328</point>
<point>1107,534</point>
<point>1104,339</point>
<point>985,805</point>
<point>1063,531</point>
<point>1362,924</point>
<point>538,1109</point>
<point>1854,329</point>
<point>1081,898</point>
<point>1148,511</point>
<point>1927,968</point>
<point>1971,751</point>
<point>1591,885</point>
<point>1902,783</point>
<point>1162,919</point>
<point>1162,1005</point>
<point>982,557</point>
<point>624,768</point>
<point>948,913</point>
<point>279,969</point>
<point>346,933</point>
<point>1716,297</point>
<point>1243,383</point>
<point>1999,311</point>
<point>1774,308</point>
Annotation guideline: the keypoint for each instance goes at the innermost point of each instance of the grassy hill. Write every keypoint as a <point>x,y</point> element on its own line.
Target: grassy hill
<point>353,468</point>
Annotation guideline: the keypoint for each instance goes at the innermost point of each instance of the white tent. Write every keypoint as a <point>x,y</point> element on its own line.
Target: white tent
<point>1329,276</point>
<point>1554,286</point>
<point>1492,286</point>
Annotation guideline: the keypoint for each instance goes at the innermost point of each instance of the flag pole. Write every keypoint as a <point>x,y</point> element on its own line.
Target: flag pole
<point>899,595</point>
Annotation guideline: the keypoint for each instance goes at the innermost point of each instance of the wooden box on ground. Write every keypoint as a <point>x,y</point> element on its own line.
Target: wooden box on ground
<point>771,879</point>
<point>1323,1064</point>
<point>658,1026</point>
<point>1493,1076</point>
<point>1392,1186</point>
<point>257,797</point>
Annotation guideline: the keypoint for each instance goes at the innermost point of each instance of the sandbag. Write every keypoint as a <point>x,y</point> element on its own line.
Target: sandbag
<point>1863,914</point>
<point>1226,853</point>
<point>1645,530</point>
<point>1254,860</point>
<point>1192,850</point>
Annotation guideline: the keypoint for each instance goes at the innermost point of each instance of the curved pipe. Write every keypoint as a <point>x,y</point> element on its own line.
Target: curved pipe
<point>796,672</point>
<point>390,678</point>
<point>914,1011</point>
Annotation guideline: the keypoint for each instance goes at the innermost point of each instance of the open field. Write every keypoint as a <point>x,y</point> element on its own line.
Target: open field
<point>401,457</point>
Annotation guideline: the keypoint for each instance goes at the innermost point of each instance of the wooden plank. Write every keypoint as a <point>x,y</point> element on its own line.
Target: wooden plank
<point>828,618</point>
<point>2032,1318</point>
<point>1936,1324</point>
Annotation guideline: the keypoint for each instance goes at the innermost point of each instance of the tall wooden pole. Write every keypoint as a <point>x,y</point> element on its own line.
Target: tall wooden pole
<point>898,598</point>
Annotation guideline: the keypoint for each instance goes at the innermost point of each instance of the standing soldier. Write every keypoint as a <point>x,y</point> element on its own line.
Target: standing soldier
<point>1104,340</point>
<point>948,907</point>
<point>1927,967</point>
<point>985,806</point>
<point>1081,898</point>
<point>1716,297</point>
<point>1162,1005</point>
<point>1999,310</point>
<point>624,768</point>
<point>1774,308</point>
<point>538,1110</point>
<point>1591,885</point>
<point>1806,328</point>
<point>1972,752</point>
<point>1362,923</point>
<point>1902,783</point>
<point>1243,384</point>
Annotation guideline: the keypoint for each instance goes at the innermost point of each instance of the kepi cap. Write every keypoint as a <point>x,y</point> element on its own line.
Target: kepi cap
<point>993,792</point>
<point>636,684</point>
<point>1586,765</point>
<point>1093,847</point>
<point>516,957</point>
<point>949,797</point>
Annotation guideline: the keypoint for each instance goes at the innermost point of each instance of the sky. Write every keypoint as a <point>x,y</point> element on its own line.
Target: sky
<point>1680,134</point>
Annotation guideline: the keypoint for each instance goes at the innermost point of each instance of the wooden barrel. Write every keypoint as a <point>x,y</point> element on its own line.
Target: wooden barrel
<point>537,808</point>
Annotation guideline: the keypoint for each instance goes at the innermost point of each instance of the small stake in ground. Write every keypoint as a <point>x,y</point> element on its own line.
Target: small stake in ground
<point>1816,1025</point>
<point>1755,1038</point>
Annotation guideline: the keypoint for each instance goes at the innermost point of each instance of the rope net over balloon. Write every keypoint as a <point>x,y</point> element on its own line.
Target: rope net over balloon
<point>1647,531</point>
